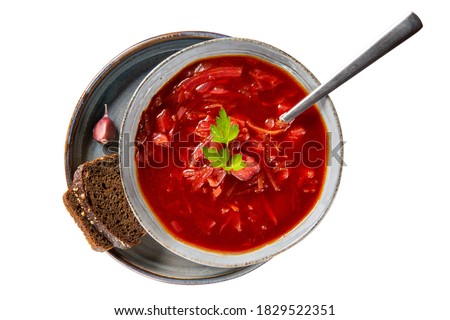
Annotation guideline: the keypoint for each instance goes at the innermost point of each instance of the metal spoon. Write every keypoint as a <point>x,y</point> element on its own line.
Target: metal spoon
<point>395,36</point>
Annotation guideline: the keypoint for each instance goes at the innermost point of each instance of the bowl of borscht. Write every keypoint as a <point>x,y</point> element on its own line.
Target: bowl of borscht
<point>209,170</point>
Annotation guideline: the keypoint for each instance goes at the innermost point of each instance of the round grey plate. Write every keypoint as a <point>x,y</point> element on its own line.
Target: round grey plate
<point>114,85</point>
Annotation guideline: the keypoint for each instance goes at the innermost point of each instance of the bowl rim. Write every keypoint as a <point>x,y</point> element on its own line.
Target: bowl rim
<point>154,227</point>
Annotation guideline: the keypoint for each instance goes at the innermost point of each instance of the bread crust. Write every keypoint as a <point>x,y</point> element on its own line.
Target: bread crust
<point>115,221</point>
<point>95,239</point>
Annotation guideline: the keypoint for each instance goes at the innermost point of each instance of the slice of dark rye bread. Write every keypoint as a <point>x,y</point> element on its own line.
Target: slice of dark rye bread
<point>98,189</point>
<point>97,240</point>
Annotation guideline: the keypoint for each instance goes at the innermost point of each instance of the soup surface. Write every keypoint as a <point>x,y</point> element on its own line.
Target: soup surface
<point>212,207</point>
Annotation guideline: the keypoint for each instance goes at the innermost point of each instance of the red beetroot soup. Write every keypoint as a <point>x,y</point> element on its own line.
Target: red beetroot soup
<point>230,211</point>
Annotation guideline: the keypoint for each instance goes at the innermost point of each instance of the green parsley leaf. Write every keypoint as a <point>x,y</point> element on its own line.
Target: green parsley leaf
<point>224,132</point>
<point>237,163</point>
<point>218,158</point>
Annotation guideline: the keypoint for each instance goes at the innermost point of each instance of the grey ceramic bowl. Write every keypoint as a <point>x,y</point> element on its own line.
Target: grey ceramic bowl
<point>140,100</point>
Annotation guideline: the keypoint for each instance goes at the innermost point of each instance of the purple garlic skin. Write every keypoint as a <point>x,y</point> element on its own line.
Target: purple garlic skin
<point>104,130</point>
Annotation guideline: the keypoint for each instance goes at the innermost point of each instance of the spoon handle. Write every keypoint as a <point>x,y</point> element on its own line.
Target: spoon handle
<point>395,36</point>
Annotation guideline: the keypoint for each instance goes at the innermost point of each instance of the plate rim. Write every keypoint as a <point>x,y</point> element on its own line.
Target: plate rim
<point>108,68</point>
<point>75,120</point>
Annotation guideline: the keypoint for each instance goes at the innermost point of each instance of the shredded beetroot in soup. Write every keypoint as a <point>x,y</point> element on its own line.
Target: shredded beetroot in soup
<point>217,207</point>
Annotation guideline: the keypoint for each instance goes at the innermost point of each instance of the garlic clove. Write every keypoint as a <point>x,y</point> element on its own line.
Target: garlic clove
<point>104,130</point>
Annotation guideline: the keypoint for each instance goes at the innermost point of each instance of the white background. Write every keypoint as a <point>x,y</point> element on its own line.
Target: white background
<point>382,252</point>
